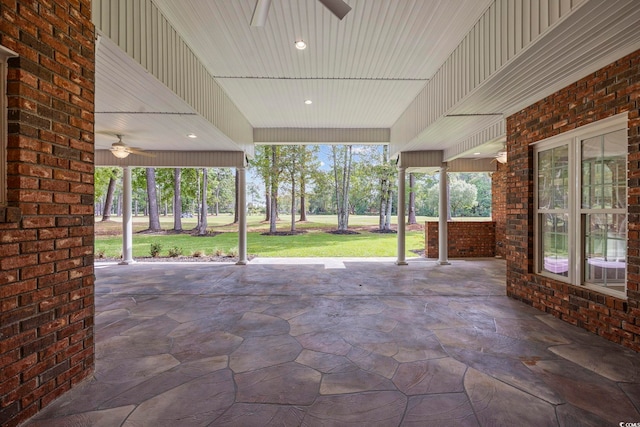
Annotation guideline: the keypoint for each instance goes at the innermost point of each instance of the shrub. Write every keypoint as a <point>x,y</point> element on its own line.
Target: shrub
<point>99,253</point>
<point>175,252</point>
<point>197,254</point>
<point>233,252</point>
<point>155,249</point>
<point>218,252</point>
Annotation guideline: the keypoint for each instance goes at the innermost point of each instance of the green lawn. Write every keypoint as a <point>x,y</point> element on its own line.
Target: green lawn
<point>312,244</point>
<point>315,243</point>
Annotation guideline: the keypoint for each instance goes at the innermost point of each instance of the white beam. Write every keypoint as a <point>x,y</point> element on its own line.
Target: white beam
<point>127,222</point>
<point>242,216</point>
<point>443,247</point>
<point>401,216</point>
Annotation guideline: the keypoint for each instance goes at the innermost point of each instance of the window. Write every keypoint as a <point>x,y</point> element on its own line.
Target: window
<point>581,206</point>
<point>4,55</point>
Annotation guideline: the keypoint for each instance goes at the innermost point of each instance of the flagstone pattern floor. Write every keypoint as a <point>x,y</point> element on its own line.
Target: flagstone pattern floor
<point>339,343</point>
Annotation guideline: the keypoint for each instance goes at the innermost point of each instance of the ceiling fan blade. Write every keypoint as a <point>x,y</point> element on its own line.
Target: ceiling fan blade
<point>260,13</point>
<point>139,152</point>
<point>337,7</point>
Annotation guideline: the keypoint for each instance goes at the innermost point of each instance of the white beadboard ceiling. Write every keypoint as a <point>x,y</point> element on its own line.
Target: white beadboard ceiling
<point>428,71</point>
<point>362,71</point>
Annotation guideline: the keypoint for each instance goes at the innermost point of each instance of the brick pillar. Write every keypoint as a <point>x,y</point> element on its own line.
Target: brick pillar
<point>46,240</point>
<point>499,206</point>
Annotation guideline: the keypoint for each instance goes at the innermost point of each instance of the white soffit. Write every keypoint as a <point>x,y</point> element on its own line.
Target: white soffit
<point>582,40</point>
<point>133,103</point>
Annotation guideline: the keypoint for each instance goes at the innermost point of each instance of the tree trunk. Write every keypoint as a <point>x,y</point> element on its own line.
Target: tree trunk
<point>267,206</point>
<point>154,217</point>
<point>387,221</point>
<point>293,204</point>
<point>108,204</point>
<point>177,200</point>
<point>303,207</point>
<point>217,203</point>
<point>237,207</point>
<point>383,203</point>
<point>274,190</point>
<point>335,180</point>
<point>342,196</point>
<point>384,190</point>
<point>412,201</point>
<point>202,224</point>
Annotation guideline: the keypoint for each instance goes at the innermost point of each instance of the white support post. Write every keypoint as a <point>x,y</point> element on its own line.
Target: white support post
<point>401,216</point>
<point>242,216</point>
<point>443,245</point>
<point>127,222</point>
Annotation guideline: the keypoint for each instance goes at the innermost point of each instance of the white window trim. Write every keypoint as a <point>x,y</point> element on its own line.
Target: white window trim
<point>5,54</point>
<point>573,138</point>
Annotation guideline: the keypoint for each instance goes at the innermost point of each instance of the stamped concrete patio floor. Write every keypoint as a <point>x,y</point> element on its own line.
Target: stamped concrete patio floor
<point>340,343</point>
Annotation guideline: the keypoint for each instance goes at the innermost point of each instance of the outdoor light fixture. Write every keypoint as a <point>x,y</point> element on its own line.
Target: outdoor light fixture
<point>300,45</point>
<point>121,154</point>
<point>502,157</point>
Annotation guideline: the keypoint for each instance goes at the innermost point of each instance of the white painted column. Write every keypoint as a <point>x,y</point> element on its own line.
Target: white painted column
<point>127,222</point>
<point>443,245</point>
<point>401,216</point>
<point>242,216</point>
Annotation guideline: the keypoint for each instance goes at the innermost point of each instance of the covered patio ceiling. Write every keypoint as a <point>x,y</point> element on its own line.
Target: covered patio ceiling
<point>366,72</point>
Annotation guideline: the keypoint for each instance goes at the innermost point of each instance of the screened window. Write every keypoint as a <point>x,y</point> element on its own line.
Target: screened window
<point>604,209</point>
<point>581,206</point>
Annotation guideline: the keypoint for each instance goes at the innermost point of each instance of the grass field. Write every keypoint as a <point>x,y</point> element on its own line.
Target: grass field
<point>316,242</point>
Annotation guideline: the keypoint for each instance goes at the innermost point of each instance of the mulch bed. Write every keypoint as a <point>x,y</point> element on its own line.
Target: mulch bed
<point>206,258</point>
<point>342,232</point>
<point>284,233</point>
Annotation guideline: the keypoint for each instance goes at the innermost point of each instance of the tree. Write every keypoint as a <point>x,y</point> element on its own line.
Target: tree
<point>202,214</point>
<point>236,208</point>
<point>412,200</point>
<point>274,181</point>
<point>386,173</point>
<point>342,161</point>
<point>309,163</point>
<point>106,178</point>
<point>262,164</point>
<point>291,155</point>
<point>321,200</point>
<point>177,200</point>
<point>152,197</point>
<point>462,195</point>
<point>108,201</point>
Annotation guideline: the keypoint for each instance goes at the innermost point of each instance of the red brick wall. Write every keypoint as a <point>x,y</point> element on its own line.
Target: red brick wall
<point>499,207</point>
<point>612,90</point>
<point>466,239</point>
<point>46,231</point>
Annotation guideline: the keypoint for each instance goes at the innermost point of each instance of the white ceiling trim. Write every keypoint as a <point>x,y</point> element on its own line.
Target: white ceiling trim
<point>320,136</point>
<point>174,159</point>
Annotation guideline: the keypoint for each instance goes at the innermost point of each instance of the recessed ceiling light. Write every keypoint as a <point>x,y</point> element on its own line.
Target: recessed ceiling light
<point>300,45</point>
<point>192,135</point>
<point>476,154</point>
<point>308,101</point>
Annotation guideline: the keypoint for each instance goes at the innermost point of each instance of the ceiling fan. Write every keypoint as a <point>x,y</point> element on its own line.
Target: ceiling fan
<point>338,7</point>
<point>121,150</point>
